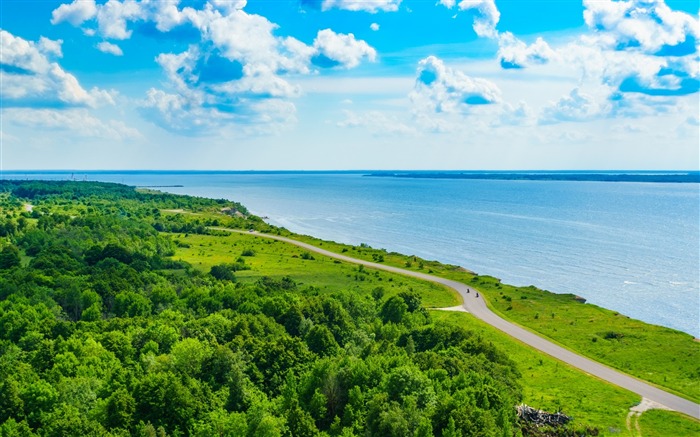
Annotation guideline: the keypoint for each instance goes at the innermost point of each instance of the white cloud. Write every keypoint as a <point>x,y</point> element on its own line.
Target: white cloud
<point>514,53</point>
<point>112,49</point>
<point>341,49</point>
<point>638,59</point>
<point>240,73</point>
<point>31,78</point>
<point>113,16</point>
<point>647,24</point>
<point>637,48</point>
<point>371,6</point>
<point>576,106</point>
<point>249,39</point>
<point>75,13</point>
<point>228,6</point>
<point>166,14</point>
<point>194,114</point>
<point>50,47</point>
<point>374,26</point>
<point>77,121</point>
<point>213,91</point>
<point>486,18</point>
<point>440,89</point>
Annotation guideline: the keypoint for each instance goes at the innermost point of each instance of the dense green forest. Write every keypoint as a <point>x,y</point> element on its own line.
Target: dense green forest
<point>103,332</point>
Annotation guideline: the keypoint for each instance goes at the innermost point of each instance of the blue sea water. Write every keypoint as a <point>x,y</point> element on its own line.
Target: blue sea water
<point>630,247</point>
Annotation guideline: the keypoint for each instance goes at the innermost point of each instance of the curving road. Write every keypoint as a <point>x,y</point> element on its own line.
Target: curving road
<point>477,307</point>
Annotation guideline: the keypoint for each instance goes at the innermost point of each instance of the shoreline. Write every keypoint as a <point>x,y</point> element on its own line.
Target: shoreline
<point>478,307</point>
<point>580,296</point>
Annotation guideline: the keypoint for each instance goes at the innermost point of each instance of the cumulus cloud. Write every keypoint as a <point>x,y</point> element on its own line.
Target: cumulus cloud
<point>486,18</point>
<point>228,6</point>
<point>374,26</point>
<point>31,77</point>
<point>514,53</point>
<point>337,49</point>
<point>241,74</point>
<point>441,89</point>
<point>238,72</point>
<point>74,13</point>
<point>196,114</point>
<point>649,25</point>
<point>114,16</point>
<point>638,57</point>
<point>50,47</point>
<point>642,46</point>
<point>212,91</point>
<point>77,121</point>
<point>576,106</point>
<point>108,47</point>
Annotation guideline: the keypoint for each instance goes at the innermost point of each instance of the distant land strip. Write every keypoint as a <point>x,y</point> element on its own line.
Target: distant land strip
<point>657,177</point>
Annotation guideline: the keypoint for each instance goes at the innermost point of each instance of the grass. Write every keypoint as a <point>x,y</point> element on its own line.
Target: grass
<point>276,259</point>
<point>659,423</point>
<point>555,386</point>
<point>660,355</point>
<point>547,383</point>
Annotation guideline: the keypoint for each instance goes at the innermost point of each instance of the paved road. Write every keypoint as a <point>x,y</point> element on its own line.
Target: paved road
<point>477,307</point>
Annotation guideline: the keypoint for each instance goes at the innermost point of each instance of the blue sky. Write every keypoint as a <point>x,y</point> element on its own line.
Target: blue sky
<point>347,84</point>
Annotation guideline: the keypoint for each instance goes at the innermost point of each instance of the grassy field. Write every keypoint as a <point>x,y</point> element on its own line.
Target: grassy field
<point>660,355</point>
<point>547,383</point>
<point>659,423</point>
<point>553,386</point>
<point>277,259</point>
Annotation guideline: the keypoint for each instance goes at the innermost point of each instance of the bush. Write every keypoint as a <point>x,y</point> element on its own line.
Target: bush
<point>222,272</point>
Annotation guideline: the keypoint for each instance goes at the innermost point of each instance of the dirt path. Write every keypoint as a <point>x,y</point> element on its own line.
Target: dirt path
<point>477,307</point>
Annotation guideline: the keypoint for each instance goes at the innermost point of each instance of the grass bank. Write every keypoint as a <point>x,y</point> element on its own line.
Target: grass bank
<point>547,383</point>
<point>660,355</point>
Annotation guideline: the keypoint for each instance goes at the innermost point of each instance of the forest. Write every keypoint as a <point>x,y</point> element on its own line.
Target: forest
<point>104,333</point>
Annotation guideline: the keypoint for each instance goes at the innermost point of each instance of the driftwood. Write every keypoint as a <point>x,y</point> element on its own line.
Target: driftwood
<point>539,417</point>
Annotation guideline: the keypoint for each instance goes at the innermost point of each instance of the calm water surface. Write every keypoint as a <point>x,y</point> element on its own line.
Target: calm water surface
<point>631,247</point>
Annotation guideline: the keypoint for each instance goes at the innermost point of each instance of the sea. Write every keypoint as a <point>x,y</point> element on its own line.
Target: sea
<point>633,247</point>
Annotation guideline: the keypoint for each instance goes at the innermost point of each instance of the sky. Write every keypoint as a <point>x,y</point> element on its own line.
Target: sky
<point>349,84</point>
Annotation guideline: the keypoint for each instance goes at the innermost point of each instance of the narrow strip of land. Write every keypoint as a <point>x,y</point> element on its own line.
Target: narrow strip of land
<point>477,307</point>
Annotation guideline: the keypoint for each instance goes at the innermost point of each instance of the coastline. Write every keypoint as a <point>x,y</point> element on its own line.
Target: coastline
<point>479,308</point>
<point>569,237</point>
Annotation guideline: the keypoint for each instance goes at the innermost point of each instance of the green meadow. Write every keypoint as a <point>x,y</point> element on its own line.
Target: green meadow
<point>660,355</point>
<point>547,383</point>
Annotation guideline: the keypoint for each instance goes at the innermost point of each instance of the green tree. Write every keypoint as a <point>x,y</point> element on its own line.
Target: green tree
<point>222,272</point>
<point>9,257</point>
<point>120,409</point>
<point>321,341</point>
<point>393,310</point>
